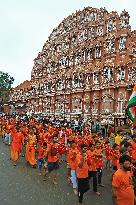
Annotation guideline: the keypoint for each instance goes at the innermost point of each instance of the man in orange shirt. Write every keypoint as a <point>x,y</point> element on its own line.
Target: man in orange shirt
<point>122,185</point>
<point>115,157</point>
<point>72,163</point>
<point>99,162</point>
<point>82,173</point>
<point>108,154</point>
<point>41,154</point>
<point>53,159</point>
<point>91,159</point>
<point>16,145</point>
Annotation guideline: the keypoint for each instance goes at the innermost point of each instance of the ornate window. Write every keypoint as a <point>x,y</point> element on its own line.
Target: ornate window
<point>65,25</point>
<point>53,87</point>
<point>46,53</point>
<point>114,24</point>
<point>71,60</point>
<point>65,45</point>
<point>122,42</point>
<point>89,53</point>
<point>59,84</point>
<point>55,66</point>
<point>96,78</point>
<point>108,74</point>
<point>120,74</point>
<point>134,51</point>
<point>78,58</point>
<point>87,16</point>
<point>82,36</point>
<point>100,18</point>
<point>88,78</point>
<point>97,52</point>
<point>93,16</point>
<point>74,37</point>
<point>67,61</point>
<point>73,23</point>
<point>46,87</point>
<point>99,30</point>
<point>82,16</point>
<point>124,21</point>
<point>63,83</point>
<point>132,74</point>
<point>75,81</point>
<point>92,32</point>
<point>110,45</point>
<point>48,68</point>
<point>64,61</point>
<point>58,47</point>
<point>68,83</point>
<point>83,54</point>
<point>80,80</point>
<point>61,63</point>
<point>109,26</point>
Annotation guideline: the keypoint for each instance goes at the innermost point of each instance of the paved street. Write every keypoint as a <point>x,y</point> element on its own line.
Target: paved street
<point>22,185</point>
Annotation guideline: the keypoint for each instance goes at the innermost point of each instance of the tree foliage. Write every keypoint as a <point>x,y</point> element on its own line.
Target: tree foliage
<point>6,82</point>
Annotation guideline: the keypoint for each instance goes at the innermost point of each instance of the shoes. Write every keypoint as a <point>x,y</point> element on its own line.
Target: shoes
<point>34,166</point>
<point>75,191</point>
<point>98,193</point>
<point>55,183</point>
<point>101,185</point>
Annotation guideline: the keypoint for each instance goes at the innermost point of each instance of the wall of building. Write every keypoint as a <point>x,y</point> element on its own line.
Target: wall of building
<point>87,66</point>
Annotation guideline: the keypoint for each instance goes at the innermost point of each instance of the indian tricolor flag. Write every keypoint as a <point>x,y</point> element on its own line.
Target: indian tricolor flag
<point>131,108</point>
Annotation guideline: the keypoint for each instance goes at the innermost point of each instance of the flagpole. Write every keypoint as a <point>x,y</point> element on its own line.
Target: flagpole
<point>134,123</point>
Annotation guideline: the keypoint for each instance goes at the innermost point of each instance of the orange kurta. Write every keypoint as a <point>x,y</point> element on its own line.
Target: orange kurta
<point>82,172</point>
<point>16,145</point>
<point>30,150</point>
<point>122,181</point>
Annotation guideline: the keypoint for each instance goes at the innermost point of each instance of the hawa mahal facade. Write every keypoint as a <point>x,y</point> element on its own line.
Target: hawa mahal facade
<point>87,66</point>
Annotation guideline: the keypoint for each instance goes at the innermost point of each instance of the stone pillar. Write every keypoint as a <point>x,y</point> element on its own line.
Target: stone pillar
<point>115,74</point>
<point>126,73</point>
<point>115,99</point>
<point>91,100</point>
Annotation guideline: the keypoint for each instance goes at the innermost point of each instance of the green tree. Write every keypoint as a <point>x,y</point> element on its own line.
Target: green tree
<point>6,82</point>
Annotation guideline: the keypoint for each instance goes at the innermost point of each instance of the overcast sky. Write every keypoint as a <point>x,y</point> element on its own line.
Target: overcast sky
<point>26,24</point>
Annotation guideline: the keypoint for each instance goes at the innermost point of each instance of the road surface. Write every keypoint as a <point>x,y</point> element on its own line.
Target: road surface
<point>22,185</point>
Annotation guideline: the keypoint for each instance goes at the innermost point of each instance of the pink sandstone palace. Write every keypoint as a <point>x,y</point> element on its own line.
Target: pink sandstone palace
<point>87,66</point>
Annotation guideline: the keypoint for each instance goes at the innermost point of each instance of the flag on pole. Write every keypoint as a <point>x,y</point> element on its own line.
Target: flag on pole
<point>131,108</point>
